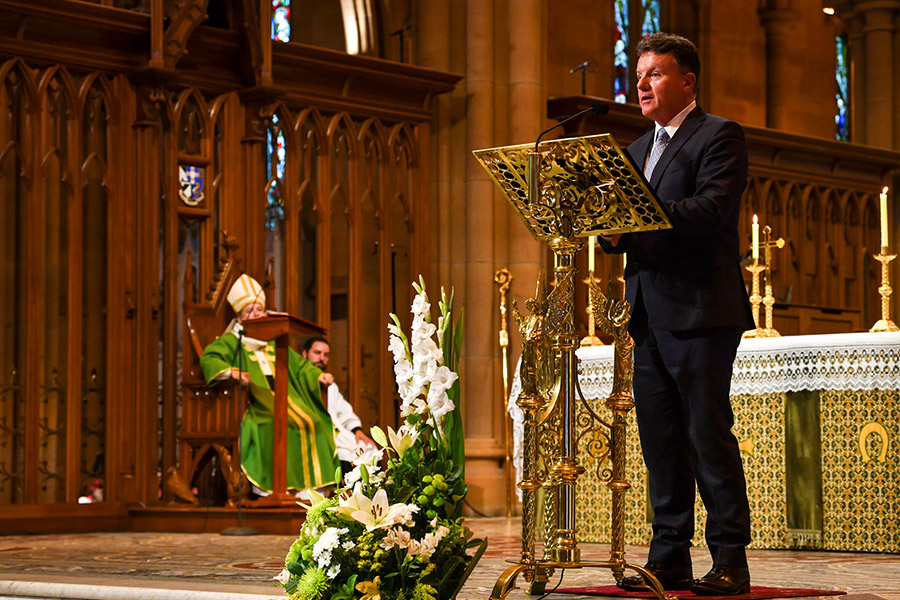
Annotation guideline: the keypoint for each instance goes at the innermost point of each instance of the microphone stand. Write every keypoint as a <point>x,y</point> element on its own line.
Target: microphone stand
<point>597,108</point>
<point>239,530</point>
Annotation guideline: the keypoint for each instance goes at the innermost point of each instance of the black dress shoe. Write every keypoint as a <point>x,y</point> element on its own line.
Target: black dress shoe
<point>671,577</point>
<point>723,580</point>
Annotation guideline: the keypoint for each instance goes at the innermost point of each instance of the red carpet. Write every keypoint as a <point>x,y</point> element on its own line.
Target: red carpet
<point>756,593</point>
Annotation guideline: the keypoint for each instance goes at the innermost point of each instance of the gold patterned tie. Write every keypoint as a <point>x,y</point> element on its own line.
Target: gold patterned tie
<point>662,140</point>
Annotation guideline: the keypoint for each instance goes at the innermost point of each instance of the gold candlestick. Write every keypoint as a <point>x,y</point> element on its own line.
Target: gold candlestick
<point>769,299</point>
<point>769,302</point>
<point>590,339</point>
<point>885,323</point>
<point>755,298</point>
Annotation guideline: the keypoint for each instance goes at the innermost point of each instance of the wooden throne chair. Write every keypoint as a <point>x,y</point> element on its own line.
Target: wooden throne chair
<point>209,435</point>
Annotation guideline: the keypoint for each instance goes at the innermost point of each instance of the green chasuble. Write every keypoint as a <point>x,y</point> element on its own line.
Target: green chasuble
<point>311,456</point>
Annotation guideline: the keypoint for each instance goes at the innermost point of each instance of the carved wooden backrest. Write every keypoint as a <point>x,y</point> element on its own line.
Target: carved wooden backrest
<point>210,414</point>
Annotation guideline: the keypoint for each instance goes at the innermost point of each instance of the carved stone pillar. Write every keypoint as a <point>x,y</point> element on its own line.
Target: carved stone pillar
<point>485,224</point>
<point>782,71</point>
<point>856,50</point>
<point>527,118</point>
<point>879,98</point>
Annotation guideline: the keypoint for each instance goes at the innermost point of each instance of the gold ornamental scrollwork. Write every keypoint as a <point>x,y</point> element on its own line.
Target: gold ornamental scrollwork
<point>591,173</point>
<point>868,430</point>
<point>565,190</point>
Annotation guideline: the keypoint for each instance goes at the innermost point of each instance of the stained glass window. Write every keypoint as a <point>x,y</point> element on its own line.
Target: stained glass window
<point>275,158</point>
<point>281,20</point>
<point>620,52</point>
<point>842,96</point>
<point>650,23</point>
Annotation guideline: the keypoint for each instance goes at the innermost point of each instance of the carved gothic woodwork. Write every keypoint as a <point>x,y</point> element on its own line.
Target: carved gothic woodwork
<point>119,184</point>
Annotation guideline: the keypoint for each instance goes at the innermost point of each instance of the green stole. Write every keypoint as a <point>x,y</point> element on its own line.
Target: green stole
<point>311,456</point>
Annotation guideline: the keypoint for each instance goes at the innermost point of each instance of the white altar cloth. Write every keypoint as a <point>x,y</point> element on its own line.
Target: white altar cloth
<point>843,361</point>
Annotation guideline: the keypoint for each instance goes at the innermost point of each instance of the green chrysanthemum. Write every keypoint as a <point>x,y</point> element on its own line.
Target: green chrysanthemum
<point>312,585</point>
<point>294,553</point>
<point>316,513</point>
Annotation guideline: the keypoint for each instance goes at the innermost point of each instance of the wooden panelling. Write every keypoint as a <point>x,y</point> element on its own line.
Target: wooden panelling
<point>292,140</point>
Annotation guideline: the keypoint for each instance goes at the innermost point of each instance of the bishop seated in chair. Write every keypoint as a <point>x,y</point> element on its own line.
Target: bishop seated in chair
<point>311,456</point>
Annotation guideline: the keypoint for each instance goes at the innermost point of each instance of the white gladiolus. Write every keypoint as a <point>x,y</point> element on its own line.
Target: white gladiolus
<point>422,378</point>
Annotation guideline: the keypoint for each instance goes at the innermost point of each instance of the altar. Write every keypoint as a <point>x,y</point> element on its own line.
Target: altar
<point>817,418</point>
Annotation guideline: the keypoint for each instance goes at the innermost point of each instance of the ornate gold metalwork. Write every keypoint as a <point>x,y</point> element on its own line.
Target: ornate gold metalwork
<point>873,429</point>
<point>769,299</point>
<point>567,190</point>
<point>590,173</point>
<point>590,339</point>
<point>537,375</point>
<point>503,278</point>
<point>755,297</point>
<point>885,323</point>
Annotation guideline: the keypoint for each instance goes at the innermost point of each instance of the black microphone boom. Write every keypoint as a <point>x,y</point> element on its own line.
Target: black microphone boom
<point>597,108</point>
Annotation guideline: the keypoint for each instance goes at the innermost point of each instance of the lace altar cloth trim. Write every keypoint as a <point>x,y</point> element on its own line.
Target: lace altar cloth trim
<point>840,362</point>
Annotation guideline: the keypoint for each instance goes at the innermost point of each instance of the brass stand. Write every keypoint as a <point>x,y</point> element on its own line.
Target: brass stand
<point>769,299</point>
<point>885,323</point>
<point>755,298</point>
<point>503,278</point>
<point>565,191</point>
<point>769,303</point>
<point>590,339</point>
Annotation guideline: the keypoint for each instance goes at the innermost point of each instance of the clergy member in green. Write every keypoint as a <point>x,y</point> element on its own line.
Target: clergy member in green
<point>311,455</point>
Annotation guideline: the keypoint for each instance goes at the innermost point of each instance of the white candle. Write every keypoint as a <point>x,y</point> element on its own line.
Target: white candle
<point>884,218</point>
<point>755,246</point>
<point>591,242</point>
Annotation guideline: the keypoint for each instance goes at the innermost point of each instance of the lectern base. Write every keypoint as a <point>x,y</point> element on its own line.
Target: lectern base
<point>239,531</point>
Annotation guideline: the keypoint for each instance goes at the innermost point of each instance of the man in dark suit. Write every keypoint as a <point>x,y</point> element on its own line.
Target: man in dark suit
<point>689,308</point>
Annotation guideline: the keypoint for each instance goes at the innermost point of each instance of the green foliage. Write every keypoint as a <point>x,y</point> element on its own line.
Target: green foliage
<point>396,534</point>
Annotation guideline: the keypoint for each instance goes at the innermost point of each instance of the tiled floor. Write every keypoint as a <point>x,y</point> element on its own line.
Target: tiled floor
<point>167,566</point>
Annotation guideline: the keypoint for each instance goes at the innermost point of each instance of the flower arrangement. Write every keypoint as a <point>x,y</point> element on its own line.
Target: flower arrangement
<point>396,533</point>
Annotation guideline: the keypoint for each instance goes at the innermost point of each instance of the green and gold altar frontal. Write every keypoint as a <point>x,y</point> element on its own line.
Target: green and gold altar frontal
<point>590,172</point>
<point>818,422</point>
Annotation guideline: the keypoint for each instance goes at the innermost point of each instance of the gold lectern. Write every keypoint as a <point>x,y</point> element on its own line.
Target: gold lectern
<point>565,190</point>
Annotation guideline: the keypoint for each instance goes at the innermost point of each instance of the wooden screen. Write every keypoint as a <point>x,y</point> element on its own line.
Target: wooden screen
<point>128,182</point>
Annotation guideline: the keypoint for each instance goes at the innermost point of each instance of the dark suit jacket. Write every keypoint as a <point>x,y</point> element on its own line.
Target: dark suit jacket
<point>690,275</point>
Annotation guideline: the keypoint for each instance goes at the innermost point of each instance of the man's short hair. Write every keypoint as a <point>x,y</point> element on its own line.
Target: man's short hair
<point>682,49</point>
<point>308,344</point>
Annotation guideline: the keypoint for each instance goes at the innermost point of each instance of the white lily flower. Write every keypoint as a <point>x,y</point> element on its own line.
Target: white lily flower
<point>371,457</point>
<point>377,513</point>
<point>402,439</point>
<point>348,502</point>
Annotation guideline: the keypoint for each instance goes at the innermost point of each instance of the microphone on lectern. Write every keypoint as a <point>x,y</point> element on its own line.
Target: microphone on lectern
<point>597,108</point>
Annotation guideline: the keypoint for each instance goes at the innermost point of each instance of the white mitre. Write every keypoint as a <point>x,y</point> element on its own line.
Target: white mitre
<point>245,290</point>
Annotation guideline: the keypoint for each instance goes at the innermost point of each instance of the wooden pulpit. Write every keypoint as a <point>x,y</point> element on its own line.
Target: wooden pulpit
<point>279,327</point>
